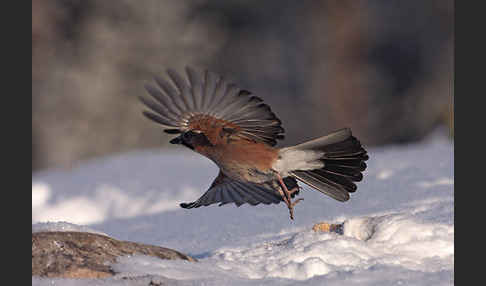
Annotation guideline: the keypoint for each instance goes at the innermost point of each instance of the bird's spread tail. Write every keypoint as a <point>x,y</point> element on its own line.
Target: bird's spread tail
<point>338,164</point>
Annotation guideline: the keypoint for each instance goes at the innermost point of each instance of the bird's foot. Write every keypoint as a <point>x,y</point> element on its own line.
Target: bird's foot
<point>291,206</point>
<point>291,192</point>
<point>287,196</point>
<point>289,202</point>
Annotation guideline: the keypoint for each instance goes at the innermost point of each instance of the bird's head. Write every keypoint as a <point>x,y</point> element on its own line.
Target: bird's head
<point>192,139</point>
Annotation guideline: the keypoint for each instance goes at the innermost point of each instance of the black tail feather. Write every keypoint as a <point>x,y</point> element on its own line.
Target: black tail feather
<point>343,162</point>
<point>291,183</point>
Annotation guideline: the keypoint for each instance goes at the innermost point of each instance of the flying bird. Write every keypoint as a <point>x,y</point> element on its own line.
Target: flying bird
<point>238,132</point>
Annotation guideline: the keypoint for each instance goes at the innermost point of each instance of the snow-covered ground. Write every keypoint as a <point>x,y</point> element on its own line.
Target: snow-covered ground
<point>398,226</point>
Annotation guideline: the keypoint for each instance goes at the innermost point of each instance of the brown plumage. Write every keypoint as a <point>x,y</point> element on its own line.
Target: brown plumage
<point>238,132</point>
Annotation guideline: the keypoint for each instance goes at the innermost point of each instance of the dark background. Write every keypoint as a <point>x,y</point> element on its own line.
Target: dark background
<point>383,68</point>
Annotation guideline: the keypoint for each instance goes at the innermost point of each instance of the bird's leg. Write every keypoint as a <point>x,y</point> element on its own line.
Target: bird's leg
<point>287,196</point>
<point>284,197</point>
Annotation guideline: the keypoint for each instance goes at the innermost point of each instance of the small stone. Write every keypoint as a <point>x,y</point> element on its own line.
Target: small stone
<point>327,227</point>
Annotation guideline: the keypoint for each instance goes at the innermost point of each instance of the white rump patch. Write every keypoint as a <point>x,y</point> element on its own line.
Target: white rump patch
<point>292,159</point>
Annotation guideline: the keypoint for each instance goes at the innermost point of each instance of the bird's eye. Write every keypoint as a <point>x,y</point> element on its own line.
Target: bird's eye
<point>187,135</point>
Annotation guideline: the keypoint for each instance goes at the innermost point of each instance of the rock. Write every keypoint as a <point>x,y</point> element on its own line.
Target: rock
<point>86,255</point>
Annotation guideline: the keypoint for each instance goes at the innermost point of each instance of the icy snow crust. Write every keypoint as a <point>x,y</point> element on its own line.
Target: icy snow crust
<point>62,226</point>
<point>398,226</point>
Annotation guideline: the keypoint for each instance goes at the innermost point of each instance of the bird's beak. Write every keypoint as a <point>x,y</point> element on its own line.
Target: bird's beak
<point>176,140</point>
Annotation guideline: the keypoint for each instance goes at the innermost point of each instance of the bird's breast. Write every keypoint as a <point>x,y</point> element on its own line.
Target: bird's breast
<point>243,160</point>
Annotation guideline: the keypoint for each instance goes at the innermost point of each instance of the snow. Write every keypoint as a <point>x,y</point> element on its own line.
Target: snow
<point>398,226</point>
<point>63,226</point>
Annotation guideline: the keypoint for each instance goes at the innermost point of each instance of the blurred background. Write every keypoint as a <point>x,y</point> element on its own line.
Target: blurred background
<point>383,68</point>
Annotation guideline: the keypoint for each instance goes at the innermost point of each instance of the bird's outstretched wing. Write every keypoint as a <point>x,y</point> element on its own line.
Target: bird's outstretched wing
<point>208,101</point>
<point>225,190</point>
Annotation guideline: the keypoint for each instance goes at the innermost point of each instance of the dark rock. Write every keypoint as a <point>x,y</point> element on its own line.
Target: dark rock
<point>86,255</point>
